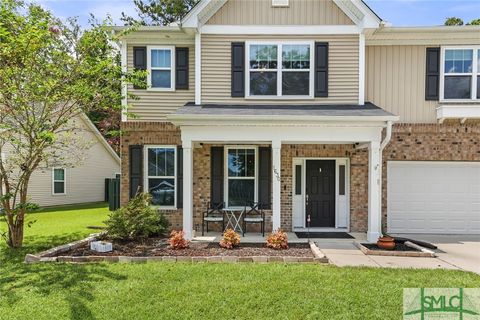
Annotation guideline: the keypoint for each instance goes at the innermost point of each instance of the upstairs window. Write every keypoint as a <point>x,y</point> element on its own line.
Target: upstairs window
<point>280,3</point>
<point>461,73</point>
<point>279,70</point>
<point>160,68</point>
<point>160,175</point>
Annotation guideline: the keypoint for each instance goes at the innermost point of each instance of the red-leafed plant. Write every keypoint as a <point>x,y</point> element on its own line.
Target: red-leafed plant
<point>277,240</point>
<point>177,240</point>
<point>230,239</point>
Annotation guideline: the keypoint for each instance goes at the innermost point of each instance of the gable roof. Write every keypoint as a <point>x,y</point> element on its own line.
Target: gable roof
<point>361,14</point>
<point>100,137</point>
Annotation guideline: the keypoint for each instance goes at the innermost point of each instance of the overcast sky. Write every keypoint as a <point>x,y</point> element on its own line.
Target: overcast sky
<point>397,12</point>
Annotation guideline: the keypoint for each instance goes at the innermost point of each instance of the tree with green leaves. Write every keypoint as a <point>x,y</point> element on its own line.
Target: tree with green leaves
<point>51,73</point>
<point>158,12</point>
<point>454,21</point>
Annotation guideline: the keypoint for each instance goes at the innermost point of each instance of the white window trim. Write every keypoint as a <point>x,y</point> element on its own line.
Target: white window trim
<point>279,70</point>
<point>146,176</point>
<point>226,177</point>
<point>172,67</point>
<point>474,74</point>
<point>64,181</point>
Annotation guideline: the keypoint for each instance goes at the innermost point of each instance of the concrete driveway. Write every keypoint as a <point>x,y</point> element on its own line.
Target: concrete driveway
<point>461,251</point>
<point>454,252</point>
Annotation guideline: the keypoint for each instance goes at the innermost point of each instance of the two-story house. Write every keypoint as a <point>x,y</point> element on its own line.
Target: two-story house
<point>317,109</point>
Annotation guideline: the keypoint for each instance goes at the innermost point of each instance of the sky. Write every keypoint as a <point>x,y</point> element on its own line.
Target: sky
<point>398,12</point>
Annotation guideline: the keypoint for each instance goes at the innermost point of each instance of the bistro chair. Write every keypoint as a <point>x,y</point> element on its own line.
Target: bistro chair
<point>214,213</point>
<point>254,214</point>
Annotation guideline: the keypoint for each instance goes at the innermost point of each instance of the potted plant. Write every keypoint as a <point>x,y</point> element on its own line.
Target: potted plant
<point>386,242</point>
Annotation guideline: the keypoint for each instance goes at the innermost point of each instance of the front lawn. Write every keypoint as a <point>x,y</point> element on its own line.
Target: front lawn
<point>187,291</point>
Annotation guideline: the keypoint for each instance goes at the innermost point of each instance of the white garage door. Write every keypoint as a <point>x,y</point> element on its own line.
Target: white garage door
<point>433,197</point>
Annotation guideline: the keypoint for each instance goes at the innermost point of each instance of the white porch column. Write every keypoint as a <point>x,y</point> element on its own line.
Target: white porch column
<point>374,192</point>
<point>187,189</point>
<point>276,181</point>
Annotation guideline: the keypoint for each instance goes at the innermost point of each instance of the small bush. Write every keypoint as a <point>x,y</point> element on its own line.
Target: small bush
<point>177,240</point>
<point>277,240</point>
<point>230,239</point>
<point>137,220</point>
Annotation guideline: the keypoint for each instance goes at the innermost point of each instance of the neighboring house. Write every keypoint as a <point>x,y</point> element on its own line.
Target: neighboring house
<point>314,108</point>
<point>83,183</point>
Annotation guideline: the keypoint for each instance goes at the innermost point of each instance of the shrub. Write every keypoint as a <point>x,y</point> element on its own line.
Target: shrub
<point>277,240</point>
<point>177,240</point>
<point>230,239</point>
<point>137,220</point>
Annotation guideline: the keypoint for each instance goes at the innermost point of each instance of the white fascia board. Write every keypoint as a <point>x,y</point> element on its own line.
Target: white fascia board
<point>99,136</point>
<point>291,120</point>
<point>191,19</point>
<point>288,134</point>
<point>458,112</point>
<point>284,30</point>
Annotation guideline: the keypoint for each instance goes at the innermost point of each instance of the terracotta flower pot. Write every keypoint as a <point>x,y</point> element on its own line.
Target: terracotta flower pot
<point>386,243</point>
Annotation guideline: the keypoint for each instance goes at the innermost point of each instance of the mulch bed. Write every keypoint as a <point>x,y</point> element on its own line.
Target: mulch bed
<point>398,247</point>
<point>160,247</point>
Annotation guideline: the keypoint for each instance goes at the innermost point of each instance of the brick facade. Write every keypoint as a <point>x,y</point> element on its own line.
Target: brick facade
<point>446,142</point>
<point>450,141</point>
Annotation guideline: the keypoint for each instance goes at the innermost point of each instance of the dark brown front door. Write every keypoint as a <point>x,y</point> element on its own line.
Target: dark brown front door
<point>320,193</point>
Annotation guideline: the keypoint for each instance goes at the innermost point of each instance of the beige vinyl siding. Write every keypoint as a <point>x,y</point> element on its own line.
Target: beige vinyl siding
<point>155,105</point>
<point>84,183</point>
<point>261,12</point>
<point>343,68</point>
<point>395,81</point>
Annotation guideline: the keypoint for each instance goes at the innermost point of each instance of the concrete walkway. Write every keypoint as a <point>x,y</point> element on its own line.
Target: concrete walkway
<point>455,255</point>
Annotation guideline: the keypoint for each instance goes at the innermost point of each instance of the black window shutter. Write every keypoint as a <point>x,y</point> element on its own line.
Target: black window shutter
<point>181,68</point>
<point>179,177</point>
<point>321,69</point>
<point>136,169</point>
<point>216,162</point>
<point>264,176</point>
<point>432,79</point>
<point>140,61</point>
<point>238,69</point>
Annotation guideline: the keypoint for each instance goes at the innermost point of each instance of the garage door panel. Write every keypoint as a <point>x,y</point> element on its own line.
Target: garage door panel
<point>433,197</point>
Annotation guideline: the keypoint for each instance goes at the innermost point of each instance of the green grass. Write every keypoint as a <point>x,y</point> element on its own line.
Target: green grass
<point>187,291</point>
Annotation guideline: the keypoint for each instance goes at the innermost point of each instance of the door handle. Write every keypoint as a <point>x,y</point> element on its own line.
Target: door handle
<point>306,200</point>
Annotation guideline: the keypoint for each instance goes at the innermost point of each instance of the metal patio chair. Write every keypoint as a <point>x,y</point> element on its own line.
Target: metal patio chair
<point>254,214</point>
<point>215,214</point>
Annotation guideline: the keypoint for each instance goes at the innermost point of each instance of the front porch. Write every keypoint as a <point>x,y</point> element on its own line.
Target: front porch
<point>292,238</point>
<point>320,166</point>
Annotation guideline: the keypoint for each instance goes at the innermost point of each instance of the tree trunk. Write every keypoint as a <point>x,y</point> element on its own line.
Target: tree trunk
<point>16,234</point>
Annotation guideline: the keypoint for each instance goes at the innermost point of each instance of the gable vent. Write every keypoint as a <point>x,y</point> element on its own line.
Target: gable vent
<point>280,3</point>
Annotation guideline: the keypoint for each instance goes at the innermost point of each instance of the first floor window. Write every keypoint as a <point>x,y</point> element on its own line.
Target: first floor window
<point>160,67</point>
<point>59,181</point>
<point>160,174</point>
<point>241,176</point>
<point>461,72</point>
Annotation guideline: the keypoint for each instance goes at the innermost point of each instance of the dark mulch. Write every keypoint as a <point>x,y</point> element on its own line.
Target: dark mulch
<point>398,247</point>
<point>160,247</point>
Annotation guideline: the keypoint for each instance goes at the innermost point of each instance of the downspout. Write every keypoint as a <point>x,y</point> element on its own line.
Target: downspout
<point>385,142</point>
